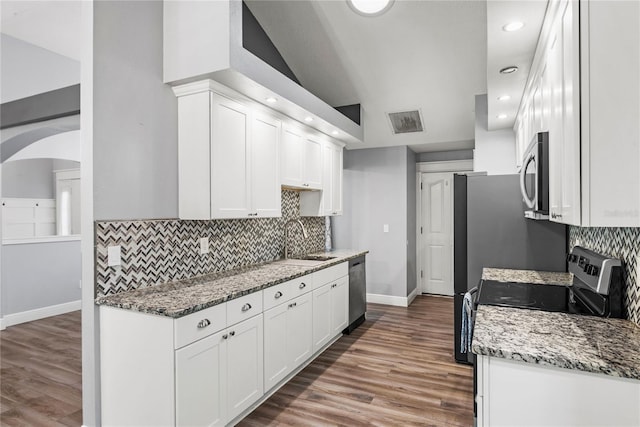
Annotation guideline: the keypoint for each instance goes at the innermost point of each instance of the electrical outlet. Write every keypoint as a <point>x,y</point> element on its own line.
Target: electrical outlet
<point>385,228</point>
<point>113,256</point>
<point>80,284</point>
<point>204,245</point>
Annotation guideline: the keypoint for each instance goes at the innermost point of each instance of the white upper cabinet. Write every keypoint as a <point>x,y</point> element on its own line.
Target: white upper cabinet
<point>329,201</point>
<point>301,160</point>
<point>228,157</point>
<point>590,109</point>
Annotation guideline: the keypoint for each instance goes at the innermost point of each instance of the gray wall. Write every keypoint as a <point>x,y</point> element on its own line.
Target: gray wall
<point>135,134</point>
<point>26,69</point>
<point>32,178</point>
<point>495,151</point>
<point>55,281</point>
<point>411,222</point>
<point>375,185</point>
<point>443,156</point>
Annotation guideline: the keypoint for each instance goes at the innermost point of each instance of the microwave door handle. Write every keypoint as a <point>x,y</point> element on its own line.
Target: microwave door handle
<point>523,176</point>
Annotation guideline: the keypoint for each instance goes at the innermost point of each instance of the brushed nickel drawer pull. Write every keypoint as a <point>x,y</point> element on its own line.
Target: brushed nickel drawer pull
<point>203,323</point>
<point>302,285</point>
<point>278,295</point>
<point>232,333</point>
<point>225,336</point>
<point>246,307</point>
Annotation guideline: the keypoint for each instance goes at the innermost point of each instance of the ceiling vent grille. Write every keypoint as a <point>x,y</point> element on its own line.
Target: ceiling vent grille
<point>406,122</point>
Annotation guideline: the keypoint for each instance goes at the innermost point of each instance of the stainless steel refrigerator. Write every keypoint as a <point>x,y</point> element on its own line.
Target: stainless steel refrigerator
<point>490,230</point>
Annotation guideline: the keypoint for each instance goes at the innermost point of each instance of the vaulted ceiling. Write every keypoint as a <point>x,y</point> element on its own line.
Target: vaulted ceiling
<point>425,55</point>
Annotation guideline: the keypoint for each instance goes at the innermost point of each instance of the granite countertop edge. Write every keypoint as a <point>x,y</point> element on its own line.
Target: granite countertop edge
<point>115,300</point>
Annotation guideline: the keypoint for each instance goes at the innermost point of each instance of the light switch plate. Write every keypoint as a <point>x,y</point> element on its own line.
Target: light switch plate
<point>204,245</point>
<point>385,228</point>
<point>113,256</point>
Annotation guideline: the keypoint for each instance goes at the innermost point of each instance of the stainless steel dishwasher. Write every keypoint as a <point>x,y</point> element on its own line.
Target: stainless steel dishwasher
<point>357,294</point>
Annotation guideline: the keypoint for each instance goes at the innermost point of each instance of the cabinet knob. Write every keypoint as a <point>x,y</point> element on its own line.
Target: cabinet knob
<point>293,304</point>
<point>335,213</point>
<point>203,323</point>
<point>278,295</point>
<point>246,307</point>
<point>334,285</point>
<point>302,285</point>
<point>225,336</point>
<point>232,333</point>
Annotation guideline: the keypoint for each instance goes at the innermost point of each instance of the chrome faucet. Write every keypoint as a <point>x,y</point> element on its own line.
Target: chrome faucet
<point>286,235</point>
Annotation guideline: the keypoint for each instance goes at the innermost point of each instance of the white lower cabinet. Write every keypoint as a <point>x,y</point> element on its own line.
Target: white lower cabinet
<point>201,382</point>
<point>220,376</point>
<point>513,393</point>
<point>287,338</point>
<point>213,366</point>
<point>330,311</point>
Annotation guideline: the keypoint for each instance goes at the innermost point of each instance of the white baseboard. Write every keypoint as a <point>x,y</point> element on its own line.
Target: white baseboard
<point>39,313</point>
<point>392,300</point>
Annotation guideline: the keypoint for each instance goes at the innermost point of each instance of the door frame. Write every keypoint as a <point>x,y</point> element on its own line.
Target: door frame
<point>453,166</point>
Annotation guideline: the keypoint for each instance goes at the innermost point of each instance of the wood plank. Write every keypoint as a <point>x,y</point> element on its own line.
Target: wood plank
<point>398,368</point>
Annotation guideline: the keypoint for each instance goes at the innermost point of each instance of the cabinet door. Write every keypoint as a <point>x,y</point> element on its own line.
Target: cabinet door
<point>571,116</point>
<point>299,329</point>
<point>230,162</point>
<point>201,381</point>
<point>276,356</point>
<point>336,180</point>
<point>339,305</point>
<point>265,170</point>
<point>312,170</point>
<point>327,178</point>
<point>321,316</point>
<point>556,133</point>
<point>292,157</point>
<point>245,373</point>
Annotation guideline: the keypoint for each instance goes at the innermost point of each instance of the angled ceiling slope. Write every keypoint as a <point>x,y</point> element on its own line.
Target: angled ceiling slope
<point>210,47</point>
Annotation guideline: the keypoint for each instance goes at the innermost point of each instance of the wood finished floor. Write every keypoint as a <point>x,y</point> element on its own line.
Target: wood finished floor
<point>397,369</point>
<point>41,373</point>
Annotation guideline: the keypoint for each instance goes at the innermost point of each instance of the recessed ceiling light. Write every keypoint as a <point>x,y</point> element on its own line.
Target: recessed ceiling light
<point>504,98</point>
<point>335,132</point>
<point>271,100</point>
<point>308,119</point>
<point>502,116</point>
<point>370,7</point>
<point>508,70</point>
<point>513,26</point>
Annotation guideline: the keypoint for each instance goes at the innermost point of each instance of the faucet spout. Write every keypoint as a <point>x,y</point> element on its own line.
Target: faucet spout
<point>286,234</point>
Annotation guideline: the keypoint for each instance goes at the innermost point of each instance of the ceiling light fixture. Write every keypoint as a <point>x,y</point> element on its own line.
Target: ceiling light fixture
<point>509,70</point>
<point>504,98</point>
<point>502,116</point>
<point>513,26</point>
<point>308,119</point>
<point>370,7</point>
<point>271,100</point>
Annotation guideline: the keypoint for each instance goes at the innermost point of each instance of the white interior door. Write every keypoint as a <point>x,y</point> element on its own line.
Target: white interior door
<point>437,233</point>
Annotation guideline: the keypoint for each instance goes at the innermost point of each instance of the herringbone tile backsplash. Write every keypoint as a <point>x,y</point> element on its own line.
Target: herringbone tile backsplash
<point>158,251</point>
<point>623,243</point>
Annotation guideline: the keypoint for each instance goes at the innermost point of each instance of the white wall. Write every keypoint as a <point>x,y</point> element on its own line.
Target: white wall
<point>375,194</point>
<point>27,70</point>
<point>495,151</point>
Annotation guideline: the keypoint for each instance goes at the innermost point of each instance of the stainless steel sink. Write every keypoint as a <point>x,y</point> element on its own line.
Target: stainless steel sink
<point>317,258</point>
<point>307,260</point>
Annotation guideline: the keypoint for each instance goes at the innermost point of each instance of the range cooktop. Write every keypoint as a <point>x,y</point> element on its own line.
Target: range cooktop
<point>524,295</point>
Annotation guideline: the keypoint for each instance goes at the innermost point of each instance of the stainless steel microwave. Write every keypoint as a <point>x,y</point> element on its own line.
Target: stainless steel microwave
<point>534,177</point>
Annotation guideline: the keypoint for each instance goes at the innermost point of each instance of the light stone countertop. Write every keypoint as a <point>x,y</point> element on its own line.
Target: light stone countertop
<point>571,341</point>
<point>527,276</point>
<point>586,343</point>
<point>182,297</point>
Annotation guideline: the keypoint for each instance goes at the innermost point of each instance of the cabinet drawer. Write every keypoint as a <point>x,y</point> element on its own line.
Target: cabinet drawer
<point>198,325</point>
<point>302,285</point>
<point>330,274</point>
<point>277,294</point>
<point>244,307</point>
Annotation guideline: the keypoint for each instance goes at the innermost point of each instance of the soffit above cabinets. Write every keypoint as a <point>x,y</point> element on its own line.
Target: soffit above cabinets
<point>510,48</point>
<point>210,47</point>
